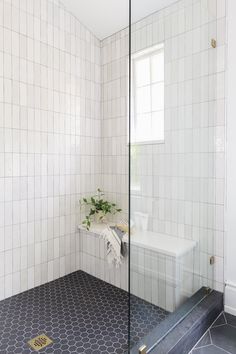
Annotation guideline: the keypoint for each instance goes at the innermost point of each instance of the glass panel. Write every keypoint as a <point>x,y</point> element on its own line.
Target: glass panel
<point>173,161</point>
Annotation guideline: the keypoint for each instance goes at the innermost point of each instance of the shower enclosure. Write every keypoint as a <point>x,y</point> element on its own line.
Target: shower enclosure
<point>126,96</point>
<point>162,104</point>
<point>176,135</point>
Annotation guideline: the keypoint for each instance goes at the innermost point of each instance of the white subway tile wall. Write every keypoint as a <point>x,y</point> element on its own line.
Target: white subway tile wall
<point>182,181</point>
<point>63,133</point>
<point>114,77</point>
<point>93,260</point>
<point>50,144</point>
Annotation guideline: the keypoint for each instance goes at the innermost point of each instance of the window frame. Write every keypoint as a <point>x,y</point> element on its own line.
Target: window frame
<point>146,53</point>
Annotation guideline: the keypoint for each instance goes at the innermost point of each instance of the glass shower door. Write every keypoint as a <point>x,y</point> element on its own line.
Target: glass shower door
<point>174,151</point>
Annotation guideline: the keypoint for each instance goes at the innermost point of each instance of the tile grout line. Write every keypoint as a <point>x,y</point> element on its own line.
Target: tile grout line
<point>210,336</point>
<point>222,349</point>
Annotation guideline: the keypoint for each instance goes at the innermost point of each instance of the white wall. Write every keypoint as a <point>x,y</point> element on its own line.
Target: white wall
<point>230,245</point>
<point>49,139</point>
<point>114,59</point>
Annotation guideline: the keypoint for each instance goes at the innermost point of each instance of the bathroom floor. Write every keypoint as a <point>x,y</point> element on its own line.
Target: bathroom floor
<point>220,338</point>
<point>79,313</point>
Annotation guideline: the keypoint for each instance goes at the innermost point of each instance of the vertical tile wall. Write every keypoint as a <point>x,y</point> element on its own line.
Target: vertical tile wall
<point>93,260</point>
<point>50,150</point>
<point>54,147</point>
<point>182,180</point>
<point>114,76</point>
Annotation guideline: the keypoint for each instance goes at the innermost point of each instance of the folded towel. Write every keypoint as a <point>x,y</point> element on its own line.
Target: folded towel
<point>116,242</point>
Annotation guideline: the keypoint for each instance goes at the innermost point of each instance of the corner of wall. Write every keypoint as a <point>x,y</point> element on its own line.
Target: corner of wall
<point>230,299</point>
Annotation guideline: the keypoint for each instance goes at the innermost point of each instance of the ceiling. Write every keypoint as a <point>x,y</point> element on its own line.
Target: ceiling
<point>105,17</point>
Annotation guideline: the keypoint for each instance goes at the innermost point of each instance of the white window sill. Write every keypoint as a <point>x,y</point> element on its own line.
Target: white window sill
<point>151,142</point>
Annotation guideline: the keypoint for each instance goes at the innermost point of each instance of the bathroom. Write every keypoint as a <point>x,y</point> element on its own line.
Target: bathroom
<point>117,191</point>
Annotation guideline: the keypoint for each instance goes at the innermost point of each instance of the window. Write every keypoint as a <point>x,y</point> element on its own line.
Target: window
<point>147,124</point>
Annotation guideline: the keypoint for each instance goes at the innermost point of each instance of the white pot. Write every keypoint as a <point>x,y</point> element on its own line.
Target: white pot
<point>100,218</point>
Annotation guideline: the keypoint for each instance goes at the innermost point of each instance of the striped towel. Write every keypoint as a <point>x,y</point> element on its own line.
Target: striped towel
<point>116,242</point>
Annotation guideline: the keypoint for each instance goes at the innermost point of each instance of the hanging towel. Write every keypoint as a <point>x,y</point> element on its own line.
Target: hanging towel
<point>116,242</point>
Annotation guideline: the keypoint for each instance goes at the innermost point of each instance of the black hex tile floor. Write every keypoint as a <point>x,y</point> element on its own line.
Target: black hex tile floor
<point>220,338</point>
<point>80,313</point>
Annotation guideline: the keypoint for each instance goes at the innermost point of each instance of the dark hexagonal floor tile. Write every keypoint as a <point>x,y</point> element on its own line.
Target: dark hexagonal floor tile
<point>80,313</point>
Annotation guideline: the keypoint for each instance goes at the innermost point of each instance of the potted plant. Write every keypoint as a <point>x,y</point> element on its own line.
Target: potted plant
<point>98,208</point>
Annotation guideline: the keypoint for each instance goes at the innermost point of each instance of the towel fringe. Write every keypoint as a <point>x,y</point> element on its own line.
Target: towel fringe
<point>113,244</point>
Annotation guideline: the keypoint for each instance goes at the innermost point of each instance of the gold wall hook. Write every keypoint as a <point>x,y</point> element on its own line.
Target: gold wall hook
<point>213,43</point>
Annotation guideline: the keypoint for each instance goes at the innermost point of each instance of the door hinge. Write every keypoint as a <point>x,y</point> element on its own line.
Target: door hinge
<point>208,290</point>
<point>213,43</point>
<point>212,260</point>
<point>143,349</point>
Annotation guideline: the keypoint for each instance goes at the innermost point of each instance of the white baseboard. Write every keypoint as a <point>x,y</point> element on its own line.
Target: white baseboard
<point>230,298</point>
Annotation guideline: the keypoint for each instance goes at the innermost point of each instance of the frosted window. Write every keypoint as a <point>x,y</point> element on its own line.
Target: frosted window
<point>144,127</point>
<point>158,125</point>
<point>143,100</point>
<point>142,72</point>
<point>148,90</point>
<point>158,97</point>
<point>158,67</point>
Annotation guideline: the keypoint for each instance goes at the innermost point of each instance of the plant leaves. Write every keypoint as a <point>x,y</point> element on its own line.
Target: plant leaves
<point>97,205</point>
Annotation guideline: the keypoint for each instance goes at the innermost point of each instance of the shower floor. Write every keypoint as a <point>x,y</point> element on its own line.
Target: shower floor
<point>80,313</point>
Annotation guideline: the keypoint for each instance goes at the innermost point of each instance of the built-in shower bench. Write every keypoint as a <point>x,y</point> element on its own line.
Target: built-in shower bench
<point>161,265</point>
<point>165,244</point>
<point>162,243</point>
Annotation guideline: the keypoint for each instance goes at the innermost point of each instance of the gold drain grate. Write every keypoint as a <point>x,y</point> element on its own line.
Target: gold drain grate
<point>40,342</point>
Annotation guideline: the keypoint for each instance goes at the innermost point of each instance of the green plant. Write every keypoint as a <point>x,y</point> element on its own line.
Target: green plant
<point>97,206</point>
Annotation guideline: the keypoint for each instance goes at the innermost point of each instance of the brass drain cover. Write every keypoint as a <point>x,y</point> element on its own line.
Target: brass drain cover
<point>40,342</point>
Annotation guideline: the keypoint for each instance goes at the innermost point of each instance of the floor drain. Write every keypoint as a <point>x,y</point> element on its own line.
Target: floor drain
<point>40,342</point>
